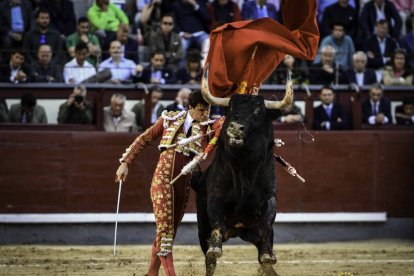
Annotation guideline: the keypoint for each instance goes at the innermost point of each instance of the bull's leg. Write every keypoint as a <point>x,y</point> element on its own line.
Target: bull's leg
<point>215,211</point>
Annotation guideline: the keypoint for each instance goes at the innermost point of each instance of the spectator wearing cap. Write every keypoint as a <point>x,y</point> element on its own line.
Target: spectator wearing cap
<point>15,21</point>
<point>157,72</point>
<point>76,110</point>
<point>27,111</point>
<point>14,70</point>
<point>78,69</point>
<point>192,22</point>
<point>105,16</point>
<point>84,35</point>
<point>404,114</point>
<point>122,69</point>
<point>223,11</point>
<point>376,110</point>
<point>167,41</point>
<point>42,34</point>
<point>44,70</point>
<point>192,72</point>
<point>359,74</point>
<point>156,107</point>
<point>62,15</point>
<point>129,46</point>
<point>399,72</point>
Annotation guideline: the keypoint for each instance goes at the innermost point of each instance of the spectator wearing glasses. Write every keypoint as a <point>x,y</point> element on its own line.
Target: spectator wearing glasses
<point>41,35</point>
<point>78,69</point>
<point>44,70</point>
<point>167,41</point>
<point>84,35</point>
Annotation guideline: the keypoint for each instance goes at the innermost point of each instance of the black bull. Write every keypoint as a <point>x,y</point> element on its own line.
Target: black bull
<point>236,195</point>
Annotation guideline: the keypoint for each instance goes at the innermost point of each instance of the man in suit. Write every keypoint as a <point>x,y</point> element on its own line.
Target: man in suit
<point>255,9</point>
<point>156,72</point>
<point>376,110</point>
<point>156,107</point>
<point>380,46</point>
<point>15,21</point>
<point>27,111</point>
<point>360,75</point>
<point>116,117</point>
<point>44,70</point>
<point>167,41</point>
<point>327,71</point>
<point>329,115</point>
<point>375,11</point>
<point>14,70</point>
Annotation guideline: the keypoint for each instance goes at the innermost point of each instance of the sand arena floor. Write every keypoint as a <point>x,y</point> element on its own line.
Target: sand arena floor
<point>347,258</point>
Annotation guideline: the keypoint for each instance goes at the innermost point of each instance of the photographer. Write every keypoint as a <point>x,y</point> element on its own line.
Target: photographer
<point>76,110</point>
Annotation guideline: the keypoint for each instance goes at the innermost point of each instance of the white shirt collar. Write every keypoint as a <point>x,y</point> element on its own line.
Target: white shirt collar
<point>328,106</point>
<point>188,122</point>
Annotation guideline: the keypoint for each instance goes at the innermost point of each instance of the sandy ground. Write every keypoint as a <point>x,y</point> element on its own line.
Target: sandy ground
<point>348,258</point>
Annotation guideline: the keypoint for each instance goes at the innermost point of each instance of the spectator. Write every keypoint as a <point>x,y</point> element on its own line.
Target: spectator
<point>78,69</point>
<point>254,9</point>
<point>376,110</point>
<point>156,72</point>
<point>105,16</point>
<point>399,72</point>
<point>329,115</point>
<point>41,35</point>
<point>378,10</point>
<point>62,15</point>
<point>133,9</point>
<point>327,71</point>
<point>407,42</point>
<point>44,70</point>
<point>129,46</point>
<point>156,107</point>
<point>342,43</point>
<point>342,13</point>
<point>324,4</point>
<point>360,75</point>
<point>223,11</point>
<point>116,117</point>
<point>14,70</point>
<point>404,114</point>
<point>122,69</point>
<point>167,41</point>
<point>406,9</point>
<point>76,110</point>
<point>15,21</point>
<point>380,46</point>
<point>291,116</point>
<point>83,35</point>
<point>192,22</point>
<point>27,111</point>
<point>193,71</point>
<point>4,116</point>
<point>297,67</point>
<point>151,16</point>
<point>181,101</point>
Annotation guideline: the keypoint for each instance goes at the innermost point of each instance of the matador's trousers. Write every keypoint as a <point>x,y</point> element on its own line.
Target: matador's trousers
<point>169,201</point>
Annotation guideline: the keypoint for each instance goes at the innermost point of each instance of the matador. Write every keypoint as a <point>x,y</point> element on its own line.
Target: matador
<point>170,200</point>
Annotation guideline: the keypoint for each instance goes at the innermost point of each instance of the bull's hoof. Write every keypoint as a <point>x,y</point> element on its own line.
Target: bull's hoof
<point>268,269</point>
<point>214,252</point>
<point>267,259</point>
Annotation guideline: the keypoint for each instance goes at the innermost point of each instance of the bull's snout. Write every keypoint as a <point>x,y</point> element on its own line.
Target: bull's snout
<point>235,132</point>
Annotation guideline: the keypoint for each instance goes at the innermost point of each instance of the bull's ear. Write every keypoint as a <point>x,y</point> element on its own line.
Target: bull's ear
<point>273,114</point>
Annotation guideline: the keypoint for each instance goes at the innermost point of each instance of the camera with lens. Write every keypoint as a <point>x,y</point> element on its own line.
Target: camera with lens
<point>78,99</point>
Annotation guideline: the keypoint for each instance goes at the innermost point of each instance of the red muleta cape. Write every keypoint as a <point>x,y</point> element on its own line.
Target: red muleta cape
<point>232,45</point>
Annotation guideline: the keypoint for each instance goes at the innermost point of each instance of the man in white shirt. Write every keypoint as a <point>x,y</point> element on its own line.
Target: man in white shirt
<point>122,69</point>
<point>78,69</point>
<point>359,74</point>
<point>116,117</point>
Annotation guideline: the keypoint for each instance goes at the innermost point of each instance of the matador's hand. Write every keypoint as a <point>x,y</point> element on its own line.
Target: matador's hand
<point>122,172</point>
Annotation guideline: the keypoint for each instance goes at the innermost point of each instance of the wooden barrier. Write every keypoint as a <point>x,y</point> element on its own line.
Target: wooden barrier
<point>43,171</point>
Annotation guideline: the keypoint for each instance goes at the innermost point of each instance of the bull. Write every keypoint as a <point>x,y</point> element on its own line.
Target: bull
<point>236,196</point>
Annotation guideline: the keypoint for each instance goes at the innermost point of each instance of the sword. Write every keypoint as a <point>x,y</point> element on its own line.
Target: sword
<point>117,213</point>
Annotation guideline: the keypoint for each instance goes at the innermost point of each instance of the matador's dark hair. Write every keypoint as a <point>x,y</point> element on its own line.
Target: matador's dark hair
<point>196,98</point>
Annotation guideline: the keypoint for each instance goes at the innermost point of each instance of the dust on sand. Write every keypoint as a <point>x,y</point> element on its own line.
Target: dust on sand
<point>346,258</point>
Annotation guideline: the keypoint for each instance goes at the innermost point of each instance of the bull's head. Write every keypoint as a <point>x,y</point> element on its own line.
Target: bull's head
<point>246,113</point>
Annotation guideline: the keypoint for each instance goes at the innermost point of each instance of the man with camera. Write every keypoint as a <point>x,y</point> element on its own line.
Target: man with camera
<point>76,110</point>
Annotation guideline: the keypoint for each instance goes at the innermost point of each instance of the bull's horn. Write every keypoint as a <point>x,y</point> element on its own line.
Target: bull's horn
<point>205,91</point>
<point>287,100</point>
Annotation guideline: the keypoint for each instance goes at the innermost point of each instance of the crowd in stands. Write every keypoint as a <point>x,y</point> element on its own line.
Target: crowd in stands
<point>363,42</point>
